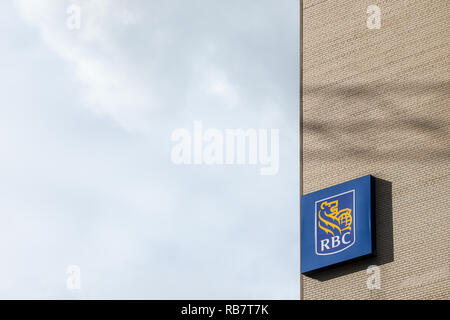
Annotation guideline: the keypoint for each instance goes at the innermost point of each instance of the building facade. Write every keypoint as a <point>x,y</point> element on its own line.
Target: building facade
<point>376,100</point>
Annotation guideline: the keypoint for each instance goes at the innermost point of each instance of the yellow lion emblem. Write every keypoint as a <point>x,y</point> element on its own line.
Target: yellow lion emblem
<point>331,219</point>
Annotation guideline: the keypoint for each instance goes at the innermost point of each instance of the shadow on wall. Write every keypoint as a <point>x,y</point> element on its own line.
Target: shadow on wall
<point>389,115</point>
<point>384,238</point>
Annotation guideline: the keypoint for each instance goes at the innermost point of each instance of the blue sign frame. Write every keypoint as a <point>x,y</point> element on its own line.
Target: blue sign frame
<point>338,224</point>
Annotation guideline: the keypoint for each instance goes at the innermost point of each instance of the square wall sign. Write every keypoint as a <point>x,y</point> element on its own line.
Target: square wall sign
<point>337,224</point>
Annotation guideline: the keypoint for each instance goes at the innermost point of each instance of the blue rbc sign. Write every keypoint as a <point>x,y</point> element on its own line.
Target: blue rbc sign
<point>337,224</point>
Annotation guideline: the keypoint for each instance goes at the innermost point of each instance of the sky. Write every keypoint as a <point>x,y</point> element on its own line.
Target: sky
<point>86,176</point>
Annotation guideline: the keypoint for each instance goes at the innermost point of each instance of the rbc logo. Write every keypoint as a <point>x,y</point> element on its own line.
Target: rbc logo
<point>335,223</point>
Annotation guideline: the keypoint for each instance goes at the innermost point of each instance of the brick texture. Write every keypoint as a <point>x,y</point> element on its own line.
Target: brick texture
<point>378,102</point>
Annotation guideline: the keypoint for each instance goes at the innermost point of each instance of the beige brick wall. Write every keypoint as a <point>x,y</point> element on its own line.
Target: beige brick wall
<point>378,102</point>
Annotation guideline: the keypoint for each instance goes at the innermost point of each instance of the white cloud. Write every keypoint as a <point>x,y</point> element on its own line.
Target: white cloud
<point>78,189</point>
<point>97,61</point>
